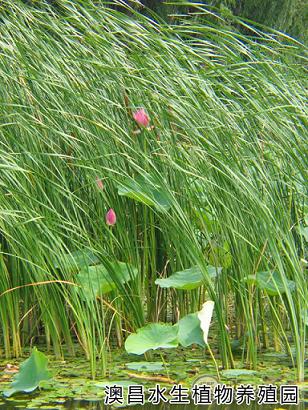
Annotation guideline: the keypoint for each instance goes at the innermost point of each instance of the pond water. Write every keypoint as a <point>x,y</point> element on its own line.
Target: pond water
<point>72,387</point>
<point>23,403</point>
<point>99,405</point>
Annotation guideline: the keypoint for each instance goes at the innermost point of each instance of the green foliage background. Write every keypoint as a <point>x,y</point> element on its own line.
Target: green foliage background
<point>288,16</point>
<point>227,154</point>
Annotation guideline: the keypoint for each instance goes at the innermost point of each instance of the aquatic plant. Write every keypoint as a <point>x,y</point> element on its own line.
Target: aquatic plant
<point>30,375</point>
<point>141,117</point>
<point>219,181</point>
<point>99,183</point>
<point>111,217</point>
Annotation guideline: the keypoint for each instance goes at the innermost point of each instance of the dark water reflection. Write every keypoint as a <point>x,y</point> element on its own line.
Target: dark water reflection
<point>234,406</point>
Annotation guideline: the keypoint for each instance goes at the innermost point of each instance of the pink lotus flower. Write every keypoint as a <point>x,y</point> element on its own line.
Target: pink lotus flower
<point>141,117</point>
<point>111,217</point>
<point>99,183</point>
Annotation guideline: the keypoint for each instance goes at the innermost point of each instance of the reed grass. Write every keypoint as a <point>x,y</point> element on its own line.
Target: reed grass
<point>228,149</point>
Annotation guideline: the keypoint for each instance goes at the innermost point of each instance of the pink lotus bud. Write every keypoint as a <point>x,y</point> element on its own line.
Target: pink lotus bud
<point>141,117</point>
<point>111,217</point>
<point>99,183</point>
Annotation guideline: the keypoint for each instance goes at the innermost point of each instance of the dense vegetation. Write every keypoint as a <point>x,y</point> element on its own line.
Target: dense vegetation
<point>288,16</point>
<point>217,178</point>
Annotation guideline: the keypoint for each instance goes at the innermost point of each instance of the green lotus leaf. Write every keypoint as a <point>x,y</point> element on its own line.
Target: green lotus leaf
<point>146,366</point>
<point>220,255</point>
<point>235,373</point>
<point>110,383</point>
<point>190,331</point>
<point>99,279</point>
<point>74,261</point>
<point>188,279</point>
<point>270,282</point>
<point>144,189</point>
<point>32,372</point>
<point>152,336</point>
<point>303,230</point>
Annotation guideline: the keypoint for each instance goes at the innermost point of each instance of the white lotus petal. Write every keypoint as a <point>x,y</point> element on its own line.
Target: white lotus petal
<point>205,316</point>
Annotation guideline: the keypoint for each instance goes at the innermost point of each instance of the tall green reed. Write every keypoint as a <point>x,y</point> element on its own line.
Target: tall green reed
<point>226,148</point>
